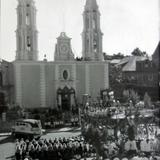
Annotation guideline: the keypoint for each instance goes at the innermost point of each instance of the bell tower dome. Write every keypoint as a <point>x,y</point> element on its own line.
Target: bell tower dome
<point>26,33</point>
<point>91,35</point>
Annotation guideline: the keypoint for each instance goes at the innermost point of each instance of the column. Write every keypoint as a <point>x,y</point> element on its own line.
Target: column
<point>56,83</point>
<point>57,76</point>
<point>18,81</point>
<point>87,79</point>
<point>42,86</point>
<point>106,76</point>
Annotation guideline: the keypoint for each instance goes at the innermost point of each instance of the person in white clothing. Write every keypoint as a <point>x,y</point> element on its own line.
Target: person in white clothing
<point>127,146</point>
<point>146,147</point>
<point>131,147</point>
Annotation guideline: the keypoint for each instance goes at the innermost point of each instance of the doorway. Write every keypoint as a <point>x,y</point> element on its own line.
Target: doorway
<point>64,97</point>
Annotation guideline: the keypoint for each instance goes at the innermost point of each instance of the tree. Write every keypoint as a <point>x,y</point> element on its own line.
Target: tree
<point>138,52</point>
<point>147,100</point>
<point>118,56</point>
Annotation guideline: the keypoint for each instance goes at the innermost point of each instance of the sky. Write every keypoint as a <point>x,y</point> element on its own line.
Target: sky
<point>126,24</point>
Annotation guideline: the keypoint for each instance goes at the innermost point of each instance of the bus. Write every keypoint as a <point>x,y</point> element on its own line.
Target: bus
<point>28,128</point>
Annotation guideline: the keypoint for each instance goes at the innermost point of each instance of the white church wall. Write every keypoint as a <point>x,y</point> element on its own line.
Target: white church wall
<point>37,82</point>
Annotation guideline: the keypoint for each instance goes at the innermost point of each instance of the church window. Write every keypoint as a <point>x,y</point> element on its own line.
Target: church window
<point>28,43</point>
<point>27,19</point>
<point>94,23</point>
<point>65,75</point>
<point>95,45</point>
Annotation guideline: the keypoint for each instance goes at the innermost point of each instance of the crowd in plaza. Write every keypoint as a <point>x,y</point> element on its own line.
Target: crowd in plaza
<point>130,148</point>
<point>125,145</point>
<point>53,149</point>
<point>130,131</point>
<point>75,148</point>
<point>113,132</point>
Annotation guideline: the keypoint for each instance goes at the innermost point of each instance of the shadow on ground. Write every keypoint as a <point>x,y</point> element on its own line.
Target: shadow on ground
<point>11,158</point>
<point>8,139</point>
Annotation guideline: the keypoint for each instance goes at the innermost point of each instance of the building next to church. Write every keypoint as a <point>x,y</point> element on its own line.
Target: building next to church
<point>156,61</point>
<point>6,84</point>
<point>138,73</point>
<point>60,83</point>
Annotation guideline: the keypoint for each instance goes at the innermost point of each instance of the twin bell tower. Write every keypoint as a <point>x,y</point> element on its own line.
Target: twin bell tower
<point>27,34</point>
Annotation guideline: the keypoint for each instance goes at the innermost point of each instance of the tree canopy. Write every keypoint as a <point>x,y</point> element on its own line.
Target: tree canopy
<point>138,52</point>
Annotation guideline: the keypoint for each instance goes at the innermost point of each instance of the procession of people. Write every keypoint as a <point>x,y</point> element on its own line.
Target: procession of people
<point>114,132</point>
<point>75,148</point>
<point>53,149</point>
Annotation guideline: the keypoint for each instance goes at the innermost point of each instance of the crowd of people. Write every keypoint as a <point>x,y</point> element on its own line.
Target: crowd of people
<point>53,149</point>
<point>130,148</point>
<point>114,123</point>
<point>76,148</point>
<point>117,124</point>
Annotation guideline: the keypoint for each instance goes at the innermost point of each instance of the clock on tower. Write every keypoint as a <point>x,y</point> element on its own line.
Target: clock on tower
<point>64,48</point>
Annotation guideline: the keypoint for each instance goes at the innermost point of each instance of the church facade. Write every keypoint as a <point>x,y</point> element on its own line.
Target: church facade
<point>62,82</point>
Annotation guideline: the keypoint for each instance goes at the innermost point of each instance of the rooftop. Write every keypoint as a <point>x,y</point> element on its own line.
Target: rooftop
<point>130,62</point>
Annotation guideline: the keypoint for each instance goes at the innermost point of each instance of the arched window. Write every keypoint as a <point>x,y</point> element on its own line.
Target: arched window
<point>95,45</point>
<point>27,19</point>
<point>94,23</point>
<point>28,43</point>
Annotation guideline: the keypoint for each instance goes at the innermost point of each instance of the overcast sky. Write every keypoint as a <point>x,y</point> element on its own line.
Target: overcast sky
<point>126,24</point>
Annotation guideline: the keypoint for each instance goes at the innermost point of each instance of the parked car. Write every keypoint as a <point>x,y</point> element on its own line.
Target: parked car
<point>30,128</point>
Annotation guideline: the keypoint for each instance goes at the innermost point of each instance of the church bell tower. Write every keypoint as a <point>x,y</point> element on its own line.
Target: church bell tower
<point>26,32</point>
<point>91,35</point>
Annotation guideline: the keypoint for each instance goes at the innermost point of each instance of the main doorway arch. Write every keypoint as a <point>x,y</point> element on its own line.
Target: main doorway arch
<point>65,98</point>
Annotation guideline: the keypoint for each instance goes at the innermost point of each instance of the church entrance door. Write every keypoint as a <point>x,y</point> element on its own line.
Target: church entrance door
<point>65,98</point>
<point>66,101</point>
